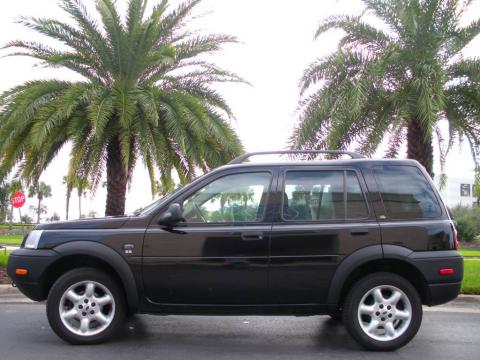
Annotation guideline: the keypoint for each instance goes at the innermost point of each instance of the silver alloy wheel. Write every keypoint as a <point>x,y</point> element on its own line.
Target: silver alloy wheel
<point>87,308</point>
<point>384,313</point>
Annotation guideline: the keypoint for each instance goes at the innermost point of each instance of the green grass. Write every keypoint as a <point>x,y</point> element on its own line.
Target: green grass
<point>16,226</point>
<point>11,239</point>
<point>469,252</point>
<point>4,257</point>
<point>471,277</point>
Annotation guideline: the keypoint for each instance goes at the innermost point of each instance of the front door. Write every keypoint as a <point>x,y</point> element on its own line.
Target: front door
<point>219,255</point>
<point>323,218</point>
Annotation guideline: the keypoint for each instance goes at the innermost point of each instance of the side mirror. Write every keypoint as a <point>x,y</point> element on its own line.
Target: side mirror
<point>172,216</point>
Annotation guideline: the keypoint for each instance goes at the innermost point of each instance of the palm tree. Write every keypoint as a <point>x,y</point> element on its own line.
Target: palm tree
<point>41,191</point>
<point>68,195</point>
<point>395,80</point>
<point>82,186</point>
<point>4,201</point>
<point>164,188</point>
<point>13,187</point>
<point>146,94</point>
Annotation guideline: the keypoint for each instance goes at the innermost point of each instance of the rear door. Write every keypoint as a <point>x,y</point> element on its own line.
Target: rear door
<point>322,218</point>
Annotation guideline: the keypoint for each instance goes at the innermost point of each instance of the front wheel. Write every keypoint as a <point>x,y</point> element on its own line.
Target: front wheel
<point>85,306</point>
<point>382,311</point>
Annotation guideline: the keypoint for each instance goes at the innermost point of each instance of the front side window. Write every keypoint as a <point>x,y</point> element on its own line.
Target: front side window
<point>406,193</point>
<point>323,195</point>
<point>230,199</point>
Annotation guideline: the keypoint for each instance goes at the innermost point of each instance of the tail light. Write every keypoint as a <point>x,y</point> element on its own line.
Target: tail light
<point>456,244</point>
<point>446,271</point>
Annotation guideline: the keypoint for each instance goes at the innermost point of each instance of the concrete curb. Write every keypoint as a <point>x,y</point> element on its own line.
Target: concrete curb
<point>11,295</point>
<point>8,289</point>
<point>8,247</point>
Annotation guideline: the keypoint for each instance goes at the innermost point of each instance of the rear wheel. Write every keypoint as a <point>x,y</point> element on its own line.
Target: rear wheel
<point>382,311</point>
<point>85,306</point>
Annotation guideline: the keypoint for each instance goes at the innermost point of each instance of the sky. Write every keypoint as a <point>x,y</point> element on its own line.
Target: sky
<point>277,44</point>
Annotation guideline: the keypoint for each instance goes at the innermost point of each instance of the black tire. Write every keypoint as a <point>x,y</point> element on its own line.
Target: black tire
<point>63,284</point>
<point>352,303</point>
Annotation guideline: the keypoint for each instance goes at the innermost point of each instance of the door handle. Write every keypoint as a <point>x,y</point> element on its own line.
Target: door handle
<point>252,236</point>
<point>359,231</point>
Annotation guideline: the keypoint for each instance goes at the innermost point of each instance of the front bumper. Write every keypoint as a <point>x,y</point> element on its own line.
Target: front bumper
<point>36,262</point>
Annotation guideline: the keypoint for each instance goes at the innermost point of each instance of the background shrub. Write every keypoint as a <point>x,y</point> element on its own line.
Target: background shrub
<point>467,219</point>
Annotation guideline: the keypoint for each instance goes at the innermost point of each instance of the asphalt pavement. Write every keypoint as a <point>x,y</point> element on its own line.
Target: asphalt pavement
<point>452,333</point>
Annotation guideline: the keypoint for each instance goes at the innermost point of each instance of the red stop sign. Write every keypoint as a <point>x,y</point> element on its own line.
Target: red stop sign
<point>18,199</point>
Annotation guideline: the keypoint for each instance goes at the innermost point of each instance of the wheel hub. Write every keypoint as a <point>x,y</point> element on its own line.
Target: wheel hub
<point>87,308</point>
<point>384,313</point>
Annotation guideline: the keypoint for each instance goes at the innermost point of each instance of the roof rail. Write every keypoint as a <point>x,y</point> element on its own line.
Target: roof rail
<point>242,158</point>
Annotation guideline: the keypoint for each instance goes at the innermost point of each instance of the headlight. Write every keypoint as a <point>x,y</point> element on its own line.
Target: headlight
<point>33,239</point>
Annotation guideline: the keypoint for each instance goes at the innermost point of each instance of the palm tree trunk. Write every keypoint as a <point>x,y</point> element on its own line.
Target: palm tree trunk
<point>38,211</point>
<point>418,147</point>
<point>10,226</point>
<point>67,207</point>
<point>79,206</point>
<point>116,180</point>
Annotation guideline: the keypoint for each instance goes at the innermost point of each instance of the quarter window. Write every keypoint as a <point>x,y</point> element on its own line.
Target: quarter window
<point>406,193</point>
<point>230,199</point>
<point>323,195</point>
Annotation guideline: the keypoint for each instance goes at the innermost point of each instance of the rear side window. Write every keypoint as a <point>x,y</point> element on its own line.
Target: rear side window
<point>406,193</point>
<point>323,195</point>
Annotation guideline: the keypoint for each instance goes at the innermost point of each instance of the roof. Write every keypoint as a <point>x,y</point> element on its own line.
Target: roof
<point>337,162</point>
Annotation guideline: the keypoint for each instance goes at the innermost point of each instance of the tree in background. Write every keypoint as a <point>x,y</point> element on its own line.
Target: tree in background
<point>54,217</point>
<point>67,196</point>
<point>26,219</point>
<point>396,80</point>
<point>476,185</point>
<point>4,201</point>
<point>38,211</point>
<point>40,191</point>
<point>13,186</point>
<point>146,94</point>
<point>82,186</point>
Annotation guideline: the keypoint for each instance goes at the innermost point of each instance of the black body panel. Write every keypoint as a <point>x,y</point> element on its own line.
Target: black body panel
<point>114,222</point>
<point>194,265</point>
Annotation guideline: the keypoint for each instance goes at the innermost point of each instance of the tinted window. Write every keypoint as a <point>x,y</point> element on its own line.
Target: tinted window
<point>356,205</point>
<point>232,198</point>
<point>406,193</point>
<point>321,195</point>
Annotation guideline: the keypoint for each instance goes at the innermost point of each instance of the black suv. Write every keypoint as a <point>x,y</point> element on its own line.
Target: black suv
<point>369,241</point>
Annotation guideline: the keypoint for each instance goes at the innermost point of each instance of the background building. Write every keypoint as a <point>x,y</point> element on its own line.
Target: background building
<point>458,191</point>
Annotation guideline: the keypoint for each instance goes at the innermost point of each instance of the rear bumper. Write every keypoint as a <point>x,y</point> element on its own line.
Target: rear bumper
<point>442,293</point>
<point>440,288</point>
<point>35,262</point>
